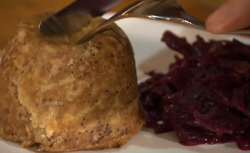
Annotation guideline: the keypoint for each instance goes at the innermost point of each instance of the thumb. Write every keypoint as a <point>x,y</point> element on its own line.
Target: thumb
<point>231,15</point>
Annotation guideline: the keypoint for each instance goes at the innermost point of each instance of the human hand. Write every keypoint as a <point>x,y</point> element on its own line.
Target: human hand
<point>231,15</point>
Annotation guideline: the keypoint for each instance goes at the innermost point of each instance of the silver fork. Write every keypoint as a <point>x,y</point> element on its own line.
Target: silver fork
<point>75,16</point>
<point>169,10</point>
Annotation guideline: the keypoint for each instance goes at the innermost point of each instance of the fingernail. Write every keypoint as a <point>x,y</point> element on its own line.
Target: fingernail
<point>215,21</point>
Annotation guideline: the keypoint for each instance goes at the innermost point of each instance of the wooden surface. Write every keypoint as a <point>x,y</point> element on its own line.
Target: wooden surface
<point>13,11</point>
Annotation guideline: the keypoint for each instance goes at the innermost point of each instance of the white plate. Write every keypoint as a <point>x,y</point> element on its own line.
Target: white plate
<point>152,54</point>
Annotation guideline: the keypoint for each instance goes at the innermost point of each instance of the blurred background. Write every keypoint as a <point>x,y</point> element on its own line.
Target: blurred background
<point>13,11</point>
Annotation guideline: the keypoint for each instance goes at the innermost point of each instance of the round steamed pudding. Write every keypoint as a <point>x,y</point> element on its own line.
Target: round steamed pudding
<point>58,96</point>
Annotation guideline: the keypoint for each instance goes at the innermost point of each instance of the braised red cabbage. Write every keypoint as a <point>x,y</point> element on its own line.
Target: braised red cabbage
<point>205,96</point>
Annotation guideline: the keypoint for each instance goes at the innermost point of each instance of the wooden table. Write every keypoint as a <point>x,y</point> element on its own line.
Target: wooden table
<point>13,11</point>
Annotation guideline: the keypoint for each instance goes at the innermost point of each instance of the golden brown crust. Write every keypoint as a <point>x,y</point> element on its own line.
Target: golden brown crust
<point>68,97</point>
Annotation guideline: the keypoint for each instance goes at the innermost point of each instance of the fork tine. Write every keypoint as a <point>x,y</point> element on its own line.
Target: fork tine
<point>55,26</point>
<point>45,29</point>
<point>57,23</point>
<point>51,26</point>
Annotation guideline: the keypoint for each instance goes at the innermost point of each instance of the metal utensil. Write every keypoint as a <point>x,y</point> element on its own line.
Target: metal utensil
<point>75,16</point>
<point>169,10</point>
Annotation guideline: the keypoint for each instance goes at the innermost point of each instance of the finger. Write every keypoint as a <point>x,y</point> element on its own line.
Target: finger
<point>231,15</point>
